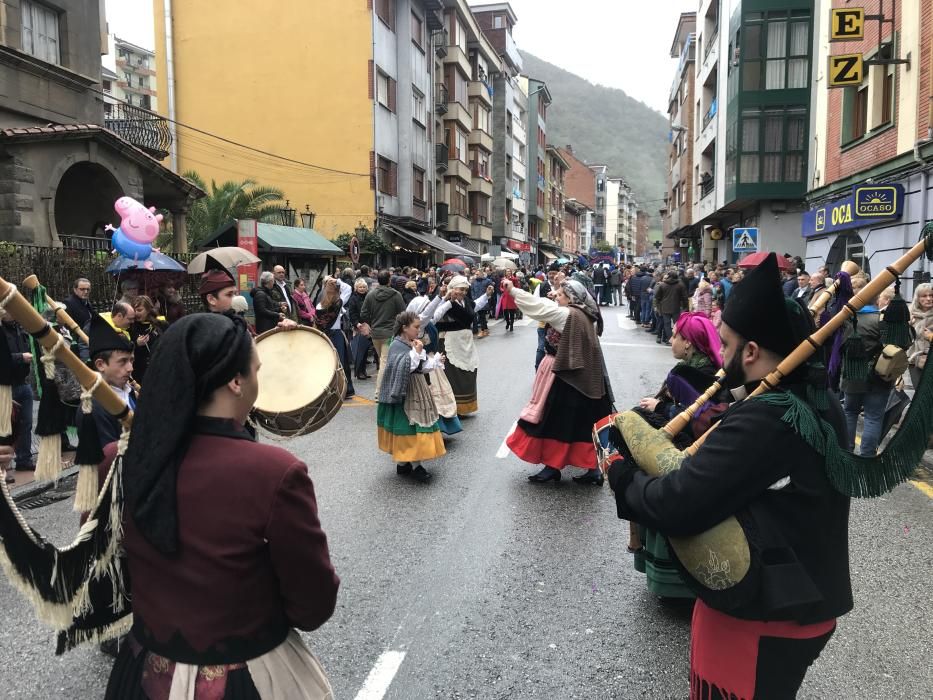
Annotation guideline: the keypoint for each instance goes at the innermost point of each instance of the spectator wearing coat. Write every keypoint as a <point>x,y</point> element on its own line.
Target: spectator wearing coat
<point>671,300</point>
<point>267,309</point>
<point>303,304</point>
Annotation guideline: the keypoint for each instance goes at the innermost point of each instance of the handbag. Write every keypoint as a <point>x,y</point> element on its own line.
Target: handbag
<point>891,363</point>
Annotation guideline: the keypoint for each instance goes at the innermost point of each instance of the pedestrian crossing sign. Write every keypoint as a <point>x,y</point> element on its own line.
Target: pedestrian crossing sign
<point>745,240</point>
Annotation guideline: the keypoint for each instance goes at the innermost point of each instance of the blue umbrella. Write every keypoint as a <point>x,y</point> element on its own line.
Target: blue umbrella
<point>156,262</point>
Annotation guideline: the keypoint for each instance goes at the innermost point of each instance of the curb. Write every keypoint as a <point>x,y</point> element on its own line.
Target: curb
<point>36,487</point>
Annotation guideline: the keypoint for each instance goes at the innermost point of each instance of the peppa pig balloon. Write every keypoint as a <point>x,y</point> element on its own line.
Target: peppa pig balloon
<point>138,229</point>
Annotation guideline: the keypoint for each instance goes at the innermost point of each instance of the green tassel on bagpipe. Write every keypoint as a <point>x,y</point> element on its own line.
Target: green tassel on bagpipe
<point>854,475</point>
<point>898,334</point>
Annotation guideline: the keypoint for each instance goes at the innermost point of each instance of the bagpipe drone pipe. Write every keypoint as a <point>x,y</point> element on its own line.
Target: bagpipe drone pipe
<point>78,590</point>
<point>722,564</point>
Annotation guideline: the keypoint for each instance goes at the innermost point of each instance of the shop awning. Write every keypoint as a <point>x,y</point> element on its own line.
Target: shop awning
<point>426,239</point>
<point>548,256</point>
<point>279,239</point>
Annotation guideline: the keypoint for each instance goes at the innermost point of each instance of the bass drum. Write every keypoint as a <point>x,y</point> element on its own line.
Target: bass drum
<point>301,382</point>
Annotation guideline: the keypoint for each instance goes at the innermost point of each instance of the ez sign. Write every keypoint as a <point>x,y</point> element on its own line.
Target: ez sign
<point>847,24</point>
<point>846,70</point>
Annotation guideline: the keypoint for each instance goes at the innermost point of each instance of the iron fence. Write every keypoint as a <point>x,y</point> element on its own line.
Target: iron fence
<point>58,268</point>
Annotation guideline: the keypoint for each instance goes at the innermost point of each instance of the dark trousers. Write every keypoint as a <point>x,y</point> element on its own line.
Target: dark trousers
<point>360,347</point>
<point>22,394</point>
<point>509,318</point>
<point>479,321</point>
<point>539,355</point>
<point>667,324</point>
<point>342,347</point>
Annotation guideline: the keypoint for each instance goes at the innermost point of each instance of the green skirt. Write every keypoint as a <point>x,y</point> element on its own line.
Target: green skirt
<point>654,560</point>
<point>404,441</point>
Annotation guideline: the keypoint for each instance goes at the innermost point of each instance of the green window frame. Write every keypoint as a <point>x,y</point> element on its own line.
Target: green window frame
<point>776,50</point>
<point>773,142</point>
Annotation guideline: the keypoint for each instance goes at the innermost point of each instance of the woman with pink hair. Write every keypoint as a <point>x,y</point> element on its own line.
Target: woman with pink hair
<point>696,346</point>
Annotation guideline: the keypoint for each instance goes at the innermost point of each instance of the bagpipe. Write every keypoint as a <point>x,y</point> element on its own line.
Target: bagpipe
<point>718,561</point>
<point>61,583</point>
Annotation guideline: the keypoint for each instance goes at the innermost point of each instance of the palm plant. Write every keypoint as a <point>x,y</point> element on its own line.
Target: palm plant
<point>230,200</point>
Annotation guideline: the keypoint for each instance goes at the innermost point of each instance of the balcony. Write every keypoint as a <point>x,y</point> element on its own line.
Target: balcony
<point>440,39</point>
<point>688,55</point>
<point>481,138</point>
<point>518,203</point>
<point>456,56</point>
<point>434,14</point>
<point>441,156</point>
<point>710,113</point>
<point>519,169</point>
<point>518,232</point>
<point>707,187</point>
<point>506,47</point>
<point>519,133</point>
<point>143,129</point>
<point>481,91</point>
<point>481,184</point>
<point>440,98</point>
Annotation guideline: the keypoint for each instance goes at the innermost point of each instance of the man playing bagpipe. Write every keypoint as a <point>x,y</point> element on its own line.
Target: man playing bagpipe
<point>770,592</point>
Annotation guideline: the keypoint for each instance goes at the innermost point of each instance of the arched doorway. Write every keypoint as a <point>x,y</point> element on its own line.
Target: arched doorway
<point>848,246</point>
<point>84,200</point>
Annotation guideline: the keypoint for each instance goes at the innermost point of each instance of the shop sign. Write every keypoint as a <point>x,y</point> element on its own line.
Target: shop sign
<point>866,205</point>
<point>247,238</point>
<point>515,245</point>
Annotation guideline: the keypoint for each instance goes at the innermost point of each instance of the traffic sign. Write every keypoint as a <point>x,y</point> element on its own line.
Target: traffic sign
<point>355,249</point>
<point>847,24</point>
<point>745,240</point>
<point>846,69</point>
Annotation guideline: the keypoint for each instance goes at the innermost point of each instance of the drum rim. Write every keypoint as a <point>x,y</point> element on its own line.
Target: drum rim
<point>273,331</point>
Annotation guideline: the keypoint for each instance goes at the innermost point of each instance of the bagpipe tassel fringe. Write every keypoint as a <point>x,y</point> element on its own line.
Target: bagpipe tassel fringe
<point>49,461</point>
<point>88,488</point>
<point>6,410</point>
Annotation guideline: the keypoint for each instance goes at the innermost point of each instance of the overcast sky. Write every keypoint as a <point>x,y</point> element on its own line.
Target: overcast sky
<point>617,43</point>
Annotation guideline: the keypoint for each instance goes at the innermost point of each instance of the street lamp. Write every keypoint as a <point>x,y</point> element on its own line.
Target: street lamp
<point>307,217</point>
<point>288,215</point>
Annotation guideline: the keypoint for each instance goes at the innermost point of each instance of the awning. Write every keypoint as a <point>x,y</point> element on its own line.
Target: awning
<point>688,231</point>
<point>549,256</point>
<point>425,239</point>
<point>279,239</point>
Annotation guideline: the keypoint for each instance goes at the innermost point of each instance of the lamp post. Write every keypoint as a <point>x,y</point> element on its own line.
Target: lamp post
<point>307,217</point>
<point>288,215</point>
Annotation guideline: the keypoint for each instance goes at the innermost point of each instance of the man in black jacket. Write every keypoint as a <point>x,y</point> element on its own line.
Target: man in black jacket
<point>18,342</point>
<point>756,636</point>
<point>77,303</point>
<point>267,309</point>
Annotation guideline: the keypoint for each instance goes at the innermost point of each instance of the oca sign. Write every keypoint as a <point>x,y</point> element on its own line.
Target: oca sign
<point>866,205</point>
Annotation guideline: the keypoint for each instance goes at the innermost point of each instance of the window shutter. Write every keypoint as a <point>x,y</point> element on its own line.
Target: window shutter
<point>393,89</point>
<point>372,170</point>
<point>372,81</point>
<point>393,179</point>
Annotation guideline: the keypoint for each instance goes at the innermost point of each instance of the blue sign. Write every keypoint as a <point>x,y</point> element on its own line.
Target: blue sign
<point>745,240</point>
<point>867,205</point>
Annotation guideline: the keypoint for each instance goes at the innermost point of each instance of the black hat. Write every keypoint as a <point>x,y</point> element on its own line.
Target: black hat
<point>756,309</point>
<point>104,337</point>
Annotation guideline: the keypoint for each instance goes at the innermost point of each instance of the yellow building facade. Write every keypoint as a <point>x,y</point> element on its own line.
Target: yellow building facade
<point>289,78</point>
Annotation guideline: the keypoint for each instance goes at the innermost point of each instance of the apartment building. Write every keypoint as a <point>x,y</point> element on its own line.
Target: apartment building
<point>135,70</point>
<point>551,244</point>
<point>61,171</point>
<point>510,140</point>
<point>575,220</point>
<point>580,186</point>
<point>752,121</point>
<point>872,154</point>
<point>466,69</point>
<point>677,216</point>
<point>539,99</point>
<point>601,174</point>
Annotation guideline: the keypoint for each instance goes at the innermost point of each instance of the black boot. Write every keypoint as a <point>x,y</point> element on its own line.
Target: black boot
<point>591,476</point>
<point>403,469</point>
<point>421,474</point>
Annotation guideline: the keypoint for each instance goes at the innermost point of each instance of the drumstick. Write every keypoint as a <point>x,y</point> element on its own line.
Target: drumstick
<point>67,321</point>
<point>22,312</point>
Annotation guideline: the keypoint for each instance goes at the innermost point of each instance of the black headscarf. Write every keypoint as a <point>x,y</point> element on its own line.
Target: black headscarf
<point>197,355</point>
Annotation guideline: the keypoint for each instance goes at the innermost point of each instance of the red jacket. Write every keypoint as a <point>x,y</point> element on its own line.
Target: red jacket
<point>252,563</point>
<point>508,302</point>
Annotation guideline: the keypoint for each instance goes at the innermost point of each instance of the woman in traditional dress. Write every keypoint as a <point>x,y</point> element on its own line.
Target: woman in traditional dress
<point>695,344</point>
<point>406,417</point>
<point>454,321</point>
<point>331,318</point>
<point>444,399</point>
<point>570,392</point>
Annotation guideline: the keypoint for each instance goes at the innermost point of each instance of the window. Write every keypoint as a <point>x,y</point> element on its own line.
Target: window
<point>887,99</point>
<point>457,32</point>
<point>457,86</point>
<point>387,176</point>
<point>498,22</point>
<point>385,91</point>
<point>417,185</point>
<point>385,10</point>
<point>854,113</point>
<point>459,203</point>
<point>479,162</point>
<point>458,145</point>
<point>773,145</point>
<point>480,116</point>
<point>40,31</point>
<point>418,110</point>
<point>128,78</point>
<point>776,50</point>
<point>479,208</point>
<point>419,145</point>
<point>417,31</point>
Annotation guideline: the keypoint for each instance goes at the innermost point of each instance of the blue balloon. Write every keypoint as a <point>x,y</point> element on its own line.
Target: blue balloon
<point>130,249</point>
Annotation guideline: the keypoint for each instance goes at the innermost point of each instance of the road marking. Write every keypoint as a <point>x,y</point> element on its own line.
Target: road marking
<point>634,345</point>
<point>358,400</point>
<point>923,487</point>
<point>380,678</point>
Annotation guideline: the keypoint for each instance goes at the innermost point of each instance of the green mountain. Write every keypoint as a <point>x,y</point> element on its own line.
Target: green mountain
<point>604,125</point>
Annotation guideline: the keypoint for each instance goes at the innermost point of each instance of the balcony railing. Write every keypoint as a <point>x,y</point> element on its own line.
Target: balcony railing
<point>710,113</point>
<point>707,186</point>
<point>440,98</point>
<point>441,156</point>
<point>141,128</point>
<point>710,43</point>
<point>440,39</point>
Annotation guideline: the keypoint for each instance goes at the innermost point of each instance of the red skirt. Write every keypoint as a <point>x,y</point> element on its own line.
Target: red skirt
<point>727,655</point>
<point>550,452</point>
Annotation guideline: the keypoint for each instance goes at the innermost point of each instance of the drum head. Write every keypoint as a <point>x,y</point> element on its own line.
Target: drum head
<point>297,367</point>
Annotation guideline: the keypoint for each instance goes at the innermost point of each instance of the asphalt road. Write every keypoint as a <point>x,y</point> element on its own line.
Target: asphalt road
<point>481,585</point>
